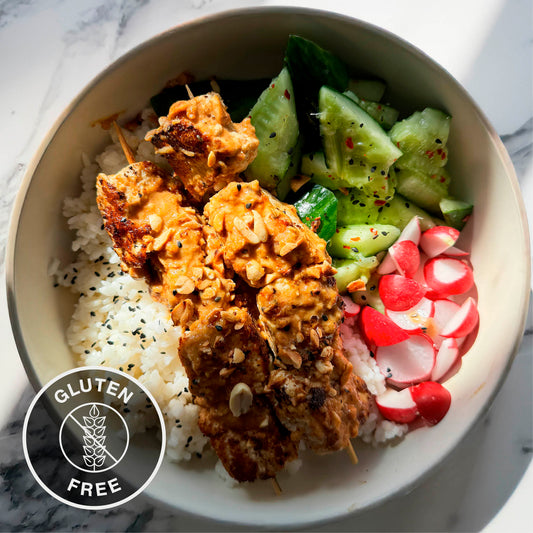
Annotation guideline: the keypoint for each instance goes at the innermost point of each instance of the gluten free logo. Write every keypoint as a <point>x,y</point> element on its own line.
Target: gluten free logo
<point>80,438</point>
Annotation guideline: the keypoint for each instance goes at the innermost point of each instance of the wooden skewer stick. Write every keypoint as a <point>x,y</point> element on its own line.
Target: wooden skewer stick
<point>351,453</point>
<point>275,485</point>
<point>189,92</point>
<point>126,149</point>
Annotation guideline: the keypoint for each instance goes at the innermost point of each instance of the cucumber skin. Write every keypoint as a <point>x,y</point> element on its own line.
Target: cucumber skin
<point>350,241</point>
<point>357,149</point>
<point>399,211</point>
<point>273,161</point>
<point>319,203</point>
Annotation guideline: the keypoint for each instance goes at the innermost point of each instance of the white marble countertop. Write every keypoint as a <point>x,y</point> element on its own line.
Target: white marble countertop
<point>50,49</point>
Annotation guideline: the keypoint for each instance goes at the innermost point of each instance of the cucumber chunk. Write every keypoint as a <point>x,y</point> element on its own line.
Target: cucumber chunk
<point>455,212</point>
<point>276,127</point>
<point>314,166</point>
<point>349,241</point>
<point>384,115</point>
<point>356,147</point>
<point>424,190</point>
<point>399,211</point>
<point>370,295</point>
<point>318,207</point>
<point>349,270</point>
<point>355,207</point>
<point>423,131</point>
<point>372,90</point>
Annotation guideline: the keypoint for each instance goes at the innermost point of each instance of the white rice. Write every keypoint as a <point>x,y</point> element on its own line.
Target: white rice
<point>117,324</point>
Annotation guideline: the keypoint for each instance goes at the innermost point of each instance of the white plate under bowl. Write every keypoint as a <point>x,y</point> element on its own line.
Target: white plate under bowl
<point>246,44</point>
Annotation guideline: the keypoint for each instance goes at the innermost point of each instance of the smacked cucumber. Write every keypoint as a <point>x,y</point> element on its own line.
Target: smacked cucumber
<point>356,147</point>
<point>350,241</point>
<point>398,211</point>
<point>314,166</point>
<point>355,207</point>
<point>386,116</point>
<point>276,127</point>
<point>317,209</point>
<point>350,270</point>
<point>425,190</point>
<point>455,212</point>
<point>372,90</point>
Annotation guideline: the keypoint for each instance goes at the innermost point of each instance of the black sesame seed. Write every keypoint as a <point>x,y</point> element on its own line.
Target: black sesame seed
<point>180,244</point>
<point>218,298</point>
<point>239,186</point>
<point>324,318</point>
<point>218,328</point>
<point>248,205</point>
<point>438,141</point>
<point>93,313</point>
<point>272,135</point>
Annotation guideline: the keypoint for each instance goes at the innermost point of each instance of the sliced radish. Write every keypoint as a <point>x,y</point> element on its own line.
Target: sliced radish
<point>432,400</point>
<point>415,318</point>
<point>399,293</point>
<point>406,257</point>
<point>350,307</point>
<point>397,406</point>
<point>463,322</point>
<point>380,330</point>
<point>412,233</point>
<point>408,362</point>
<point>445,310</point>
<point>447,356</point>
<point>437,239</point>
<point>448,275</point>
<point>455,252</point>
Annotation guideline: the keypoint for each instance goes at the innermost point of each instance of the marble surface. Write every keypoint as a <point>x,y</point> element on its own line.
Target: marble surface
<point>50,49</point>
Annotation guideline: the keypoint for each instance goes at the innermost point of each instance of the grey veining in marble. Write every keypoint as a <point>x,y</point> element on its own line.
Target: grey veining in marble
<point>59,37</point>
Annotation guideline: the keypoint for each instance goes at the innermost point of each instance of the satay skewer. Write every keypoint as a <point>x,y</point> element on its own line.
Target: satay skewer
<point>131,159</point>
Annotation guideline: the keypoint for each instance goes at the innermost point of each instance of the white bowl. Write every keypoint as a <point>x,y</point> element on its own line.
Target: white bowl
<point>246,44</point>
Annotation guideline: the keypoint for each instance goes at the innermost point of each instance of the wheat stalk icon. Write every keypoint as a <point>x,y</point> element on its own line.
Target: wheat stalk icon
<point>94,439</point>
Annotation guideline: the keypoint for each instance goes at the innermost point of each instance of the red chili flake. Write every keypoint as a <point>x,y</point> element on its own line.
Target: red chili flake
<point>442,179</point>
<point>347,247</point>
<point>430,154</point>
<point>287,94</point>
<point>379,202</point>
<point>439,151</point>
<point>273,85</point>
<point>374,231</point>
<point>443,156</point>
<point>398,144</point>
<point>355,239</point>
<point>349,143</point>
<point>379,107</point>
<point>433,176</point>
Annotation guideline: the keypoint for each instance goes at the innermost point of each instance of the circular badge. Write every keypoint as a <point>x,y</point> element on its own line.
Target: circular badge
<point>94,437</point>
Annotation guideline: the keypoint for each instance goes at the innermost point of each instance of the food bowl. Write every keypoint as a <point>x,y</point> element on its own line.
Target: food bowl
<point>250,44</point>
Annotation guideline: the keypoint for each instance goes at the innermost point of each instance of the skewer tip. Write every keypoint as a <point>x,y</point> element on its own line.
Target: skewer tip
<point>275,485</point>
<point>189,92</point>
<point>351,453</point>
<point>125,148</point>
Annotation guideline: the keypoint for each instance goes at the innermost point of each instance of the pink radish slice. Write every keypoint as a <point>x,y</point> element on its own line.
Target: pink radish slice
<point>415,318</point>
<point>397,406</point>
<point>446,357</point>
<point>379,330</point>
<point>444,311</point>
<point>463,322</point>
<point>399,293</point>
<point>448,275</point>
<point>350,307</point>
<point>437,239</point>
<point>411,232</point>
<point>432,400</point>
<point>406,257</point>
<point>408,362</point>
<point>455,252</point>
